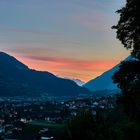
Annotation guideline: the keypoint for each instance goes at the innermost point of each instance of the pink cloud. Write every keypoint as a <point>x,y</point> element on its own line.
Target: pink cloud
<point>95,20</point>
<point>27,50</point>
<point>68,67</point>
<point>77,64</point>
<point>31,31</point>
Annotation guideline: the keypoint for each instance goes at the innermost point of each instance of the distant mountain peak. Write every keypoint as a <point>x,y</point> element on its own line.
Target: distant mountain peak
<point>77,81</point>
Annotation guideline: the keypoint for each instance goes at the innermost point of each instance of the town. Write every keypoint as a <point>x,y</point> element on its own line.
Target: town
<point>22,118</point>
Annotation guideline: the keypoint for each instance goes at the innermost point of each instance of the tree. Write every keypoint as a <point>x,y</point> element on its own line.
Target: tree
<point>81,127</point>
<point>128,76</point>
<point>128,27</point>
<point>86,127</point>
<point>128,80</point>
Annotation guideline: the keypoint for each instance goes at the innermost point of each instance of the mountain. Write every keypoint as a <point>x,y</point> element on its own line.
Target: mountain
<point>16,79</point>
<point>77,81</point>
<point>104,82</point>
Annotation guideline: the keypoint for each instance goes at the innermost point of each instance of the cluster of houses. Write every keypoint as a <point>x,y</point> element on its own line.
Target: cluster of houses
<point>91,104</point>
<point>50,111</point>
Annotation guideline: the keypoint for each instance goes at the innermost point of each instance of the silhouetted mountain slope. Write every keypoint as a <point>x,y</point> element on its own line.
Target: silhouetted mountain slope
<point>16,79</point>
<point>104,82</point>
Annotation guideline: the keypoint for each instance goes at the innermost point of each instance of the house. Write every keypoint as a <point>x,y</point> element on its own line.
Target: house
<point>46,138</point>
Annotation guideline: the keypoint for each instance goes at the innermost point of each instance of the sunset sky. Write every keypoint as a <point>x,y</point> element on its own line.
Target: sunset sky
<point>69,38</point>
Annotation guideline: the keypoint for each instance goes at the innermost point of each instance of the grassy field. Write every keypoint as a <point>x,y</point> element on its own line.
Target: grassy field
<point>30,130</point>
<point>46,124</point>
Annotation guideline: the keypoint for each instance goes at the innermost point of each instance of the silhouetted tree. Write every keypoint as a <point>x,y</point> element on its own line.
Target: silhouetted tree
<point>86,127</point>
<point>128,76</point>
<point>128,27</point>
<point>128,80</point>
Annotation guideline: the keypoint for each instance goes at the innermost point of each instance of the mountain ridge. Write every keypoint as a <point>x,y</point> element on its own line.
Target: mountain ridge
<point>104,82</point>
<point>16,79</point>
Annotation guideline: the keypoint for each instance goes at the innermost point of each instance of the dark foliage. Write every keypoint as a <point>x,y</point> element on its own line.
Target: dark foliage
<point>83,127</point>
<point>128,27</point>
<point>128,76</point>
<point>128,80</point>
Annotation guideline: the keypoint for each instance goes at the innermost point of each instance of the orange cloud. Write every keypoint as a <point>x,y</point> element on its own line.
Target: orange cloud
<point>64,67</point>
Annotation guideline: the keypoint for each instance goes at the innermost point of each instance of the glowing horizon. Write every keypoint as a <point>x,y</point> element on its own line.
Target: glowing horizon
<point>67,38</point>
<point>84,70</point>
